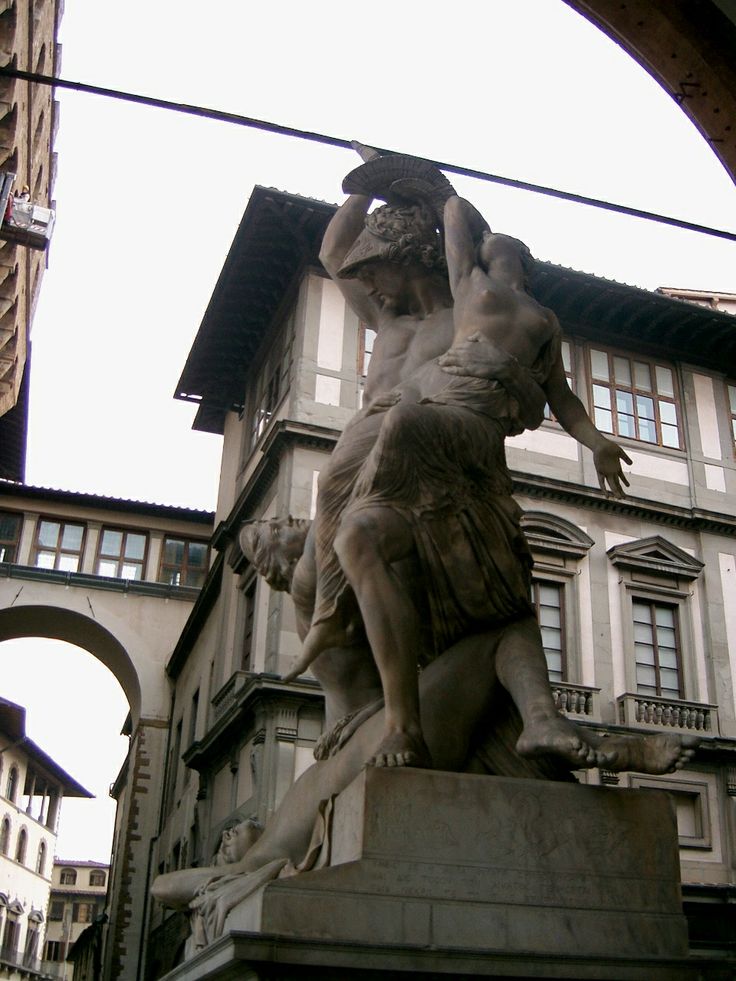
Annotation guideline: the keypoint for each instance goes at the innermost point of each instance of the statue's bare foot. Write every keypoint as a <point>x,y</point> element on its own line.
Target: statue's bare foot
<point>402,748</point>
<point>660,752</point>
<point>320,636</point>
<point>335,738</point>
<point>559,737</point>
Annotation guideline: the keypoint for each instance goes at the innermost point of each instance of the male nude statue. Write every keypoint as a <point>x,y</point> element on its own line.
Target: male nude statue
<point>421,471</point>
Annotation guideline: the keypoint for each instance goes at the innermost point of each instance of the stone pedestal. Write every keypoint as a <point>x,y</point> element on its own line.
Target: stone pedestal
<point>436,874</point>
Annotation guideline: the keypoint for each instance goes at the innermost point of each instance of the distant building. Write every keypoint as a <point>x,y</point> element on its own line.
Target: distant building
<point>77,900</point>
<point>28,121</point>
<point>726,302</point>
<point>119,579</point>
<point>32,787</point>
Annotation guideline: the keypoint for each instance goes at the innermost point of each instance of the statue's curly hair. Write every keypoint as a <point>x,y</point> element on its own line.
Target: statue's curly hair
<point>412,232</point>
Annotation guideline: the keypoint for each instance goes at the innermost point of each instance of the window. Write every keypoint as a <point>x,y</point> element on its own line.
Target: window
<point>366,340</point>
<point>5,836</point>
<point>691,807</point>
<point>547,599</point>
<point>271,384</point>
<point>183,563</point>
<point>121,554</point>
<point>731,409</point>
<point>83,912</point>
<point>29,953</point>
<point>68,877</point>
<point>58,545</point>
<point>56,910</point>
<point>634,398</point>
<point>97,877</point>
<point>193,713</point>
<point>41,858</point>
<point>249,610</point>
<point>10,525</point>
<point>12,788</point>
<point>566,352</point>
<point>174,758</point>
<point>20,848</point>
<point>656,649</point>
<point>54,950</point>
<point>10,935</point>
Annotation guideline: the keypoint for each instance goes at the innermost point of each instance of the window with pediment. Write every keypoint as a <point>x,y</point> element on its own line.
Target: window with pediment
<point>657,580</point>
<point>558,547</point>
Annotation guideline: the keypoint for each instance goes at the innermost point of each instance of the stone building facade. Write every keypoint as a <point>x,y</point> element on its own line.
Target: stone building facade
<point>77,900</point>
<point>32,787</point>
<point>118,579</point>
<point>636,597</point>
<point>28,121</point>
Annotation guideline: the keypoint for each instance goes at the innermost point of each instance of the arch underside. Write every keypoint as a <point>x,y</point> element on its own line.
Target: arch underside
<point>688,47</point>
<point>57,623</point>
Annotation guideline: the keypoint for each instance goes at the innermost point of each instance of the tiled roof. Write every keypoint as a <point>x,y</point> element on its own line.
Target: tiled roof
<point>9,488</point>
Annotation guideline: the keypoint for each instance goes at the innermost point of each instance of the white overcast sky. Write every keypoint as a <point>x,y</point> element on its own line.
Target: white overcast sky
<point>148,202</point>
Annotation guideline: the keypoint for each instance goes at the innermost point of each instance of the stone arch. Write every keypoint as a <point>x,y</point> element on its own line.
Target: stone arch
<point>75,628</point>
<point>688,49</point>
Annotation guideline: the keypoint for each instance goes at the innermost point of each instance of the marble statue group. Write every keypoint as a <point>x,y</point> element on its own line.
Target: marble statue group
<point>412,584</point>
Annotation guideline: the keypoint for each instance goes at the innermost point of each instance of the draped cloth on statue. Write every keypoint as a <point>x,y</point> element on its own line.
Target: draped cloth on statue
<point>441,464</point>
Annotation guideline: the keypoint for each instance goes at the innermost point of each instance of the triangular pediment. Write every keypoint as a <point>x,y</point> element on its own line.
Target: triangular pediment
<point>656,555</point>
<point>16,907</point>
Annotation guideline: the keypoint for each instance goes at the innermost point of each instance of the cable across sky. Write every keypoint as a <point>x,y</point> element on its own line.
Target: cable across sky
<point>238,120</point>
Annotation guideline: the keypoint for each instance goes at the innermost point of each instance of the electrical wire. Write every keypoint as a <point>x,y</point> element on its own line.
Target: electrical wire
<point>268,127</point>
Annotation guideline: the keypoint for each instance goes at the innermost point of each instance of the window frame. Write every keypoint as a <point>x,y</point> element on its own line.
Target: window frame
<point>68,876</point>
<point>362,365</point>
<point>90,909</point>
<point>184,567</point>
<point>11,789</point>
<point>696,790</point>
<point>21,846</point>
<point>7,543</point>
<point>612,385</point>
<point>731,409</point>
<point>248,618</point>
<point>539,581</point>
<point>121,560</point>
<point>271,383</point>
<point>41,858</point>
<point>59,551</point>
<point>57,908</point>
<point>96,873</point>
<point>654,605</point>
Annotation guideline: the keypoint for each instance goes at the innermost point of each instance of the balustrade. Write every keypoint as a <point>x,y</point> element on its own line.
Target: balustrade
<point>668,713</point>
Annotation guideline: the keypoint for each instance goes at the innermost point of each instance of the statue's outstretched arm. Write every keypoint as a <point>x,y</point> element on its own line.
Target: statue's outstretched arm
<point>570,413</point>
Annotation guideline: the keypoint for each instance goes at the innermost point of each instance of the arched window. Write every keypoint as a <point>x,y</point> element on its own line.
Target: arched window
<point>20,849</point>
<point>5,836</point>
<point>97,877</point>
<point>12,784</point>
<point>41,859</point>
<point>68,877</point>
